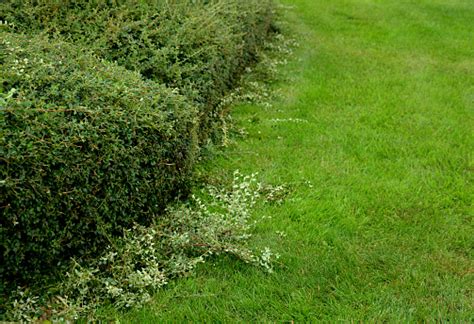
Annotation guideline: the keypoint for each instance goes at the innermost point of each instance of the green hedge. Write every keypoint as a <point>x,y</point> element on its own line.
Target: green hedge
<point>198,47</point>
<point>104,106</point>
<point>87,148</point>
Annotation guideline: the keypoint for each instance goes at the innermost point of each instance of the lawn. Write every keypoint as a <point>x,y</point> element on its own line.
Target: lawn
<point>372,136</point>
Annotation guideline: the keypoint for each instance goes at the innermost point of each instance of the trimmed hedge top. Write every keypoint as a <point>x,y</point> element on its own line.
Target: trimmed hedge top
<point>197,47</point>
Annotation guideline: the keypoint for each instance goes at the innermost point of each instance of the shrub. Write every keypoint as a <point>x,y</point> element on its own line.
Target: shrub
<point>104,107</point>
<point>132,269</point>
<point>88,148</point>
<point>198,47</point>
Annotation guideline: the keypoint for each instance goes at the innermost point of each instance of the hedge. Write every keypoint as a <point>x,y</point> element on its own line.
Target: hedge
<point>104,106</point>
<point>87,148</point>
<point>197,47</point>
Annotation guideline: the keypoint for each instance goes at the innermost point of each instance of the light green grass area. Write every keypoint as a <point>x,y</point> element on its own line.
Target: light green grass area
<point>373,138</point>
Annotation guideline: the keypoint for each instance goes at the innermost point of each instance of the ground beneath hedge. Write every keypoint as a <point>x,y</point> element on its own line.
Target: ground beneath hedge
<point>372,137</point>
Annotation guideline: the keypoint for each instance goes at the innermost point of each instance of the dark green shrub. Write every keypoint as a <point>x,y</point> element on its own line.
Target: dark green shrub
<point>87,148</point>
<point>198,47</point>
<point>104,106</point>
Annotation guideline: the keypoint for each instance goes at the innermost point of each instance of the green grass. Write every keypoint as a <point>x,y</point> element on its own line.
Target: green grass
<point>379,214</point>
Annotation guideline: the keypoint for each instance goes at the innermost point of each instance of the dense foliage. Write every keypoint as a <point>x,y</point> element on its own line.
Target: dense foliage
<point>145,259</point>
<point>104,106</point>
<point>87,149</point>
<point>197,47</point>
